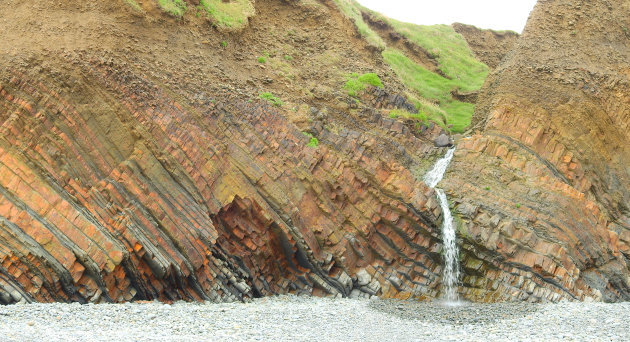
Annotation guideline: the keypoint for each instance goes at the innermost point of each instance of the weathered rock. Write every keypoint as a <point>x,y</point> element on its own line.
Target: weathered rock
<point>363,278</point>
<point>442,140</point>
<point>548,170</point>
<point>128,176</point>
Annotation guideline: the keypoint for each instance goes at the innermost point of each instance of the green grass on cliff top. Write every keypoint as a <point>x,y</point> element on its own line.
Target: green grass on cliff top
<point>353,11</point>
<point>432,87</point>
<point>453,54</point>
<point>432,91</point>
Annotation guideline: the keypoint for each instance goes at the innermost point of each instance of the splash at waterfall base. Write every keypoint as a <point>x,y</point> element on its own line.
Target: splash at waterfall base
<point>450,251</point>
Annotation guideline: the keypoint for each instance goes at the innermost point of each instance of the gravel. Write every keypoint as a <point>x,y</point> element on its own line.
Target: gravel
<point>292,318</point>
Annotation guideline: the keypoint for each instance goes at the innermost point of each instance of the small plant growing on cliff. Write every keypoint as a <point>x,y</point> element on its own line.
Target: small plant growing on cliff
<point>487,188</point>
<point>355,83</point>
<point>271,99</point>
<point>288,57</point>
<point>174,7</point>
<point>313,142</point>
<point>134,5</point>
<point>518,205</point>
<point>371,78</point>
<point>223,44</point>
<point>404,114</point>
<point>227,14</point>
<point>262,60</point>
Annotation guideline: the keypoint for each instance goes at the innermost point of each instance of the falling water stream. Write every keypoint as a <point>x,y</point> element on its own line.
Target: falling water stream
<point>450,275</point>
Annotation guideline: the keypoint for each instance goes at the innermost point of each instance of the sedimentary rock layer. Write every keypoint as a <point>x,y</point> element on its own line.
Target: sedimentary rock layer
<point>140,195</point>
<point>134,166</point>
<point>545,183</point>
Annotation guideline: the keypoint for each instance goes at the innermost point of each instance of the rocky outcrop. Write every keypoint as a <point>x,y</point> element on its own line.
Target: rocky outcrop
<point>136,170</point>
<point>150,196</point>
<point>138,162</point>
<point>544,184</point>
<point>488,45</point>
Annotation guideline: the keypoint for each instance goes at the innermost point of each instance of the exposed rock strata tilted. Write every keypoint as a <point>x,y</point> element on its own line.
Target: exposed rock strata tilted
<point>545,185</point>
<point>137,162</point>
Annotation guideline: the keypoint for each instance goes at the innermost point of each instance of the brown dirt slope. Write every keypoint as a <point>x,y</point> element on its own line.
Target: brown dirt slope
<point>553,121</point>
<point>488,45</point>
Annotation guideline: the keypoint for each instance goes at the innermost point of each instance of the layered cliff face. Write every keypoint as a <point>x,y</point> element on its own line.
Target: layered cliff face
<point>545,184</point>
<point>488,45</point>
<point>137,160</point>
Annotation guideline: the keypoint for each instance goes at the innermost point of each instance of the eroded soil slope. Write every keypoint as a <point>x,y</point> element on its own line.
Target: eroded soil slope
<point>488,45</point>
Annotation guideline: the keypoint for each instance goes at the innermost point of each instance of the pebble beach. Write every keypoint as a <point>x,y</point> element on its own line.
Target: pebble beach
<point>296,318</point>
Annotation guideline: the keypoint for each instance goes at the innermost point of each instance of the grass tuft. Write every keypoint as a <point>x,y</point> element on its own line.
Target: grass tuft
<point>356,84</point>
<point>313,142</point>
<point>371,78</point>
<point>174,7</point>
<point>233,14</point>
<point>269,97</point>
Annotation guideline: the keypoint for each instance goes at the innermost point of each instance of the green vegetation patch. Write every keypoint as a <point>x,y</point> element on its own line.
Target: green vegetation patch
<point>433,87</point>
<point>233,14</point>
<point>401,113</point>
<point>352,10</point>
<point>356,83</point>
<point>457,65</point>
<point>174,7</point>
<point>459,114</point>
<point>313,142</point>
<point>451,50</point>
<point>269,97</point>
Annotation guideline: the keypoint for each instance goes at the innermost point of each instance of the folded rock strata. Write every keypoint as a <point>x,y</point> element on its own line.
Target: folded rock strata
<point>126,177</point>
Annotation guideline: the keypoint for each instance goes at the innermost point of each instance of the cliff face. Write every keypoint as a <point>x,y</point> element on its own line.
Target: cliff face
<point>138,162</point>
<point>553,125</point>
<point>488,45</point>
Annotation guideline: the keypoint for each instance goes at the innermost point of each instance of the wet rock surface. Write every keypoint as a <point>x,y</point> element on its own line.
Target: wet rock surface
<point>307,319</point>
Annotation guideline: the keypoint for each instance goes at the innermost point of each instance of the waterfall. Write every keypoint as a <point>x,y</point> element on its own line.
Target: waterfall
<point>433,177</point>
<point>450,276</point>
